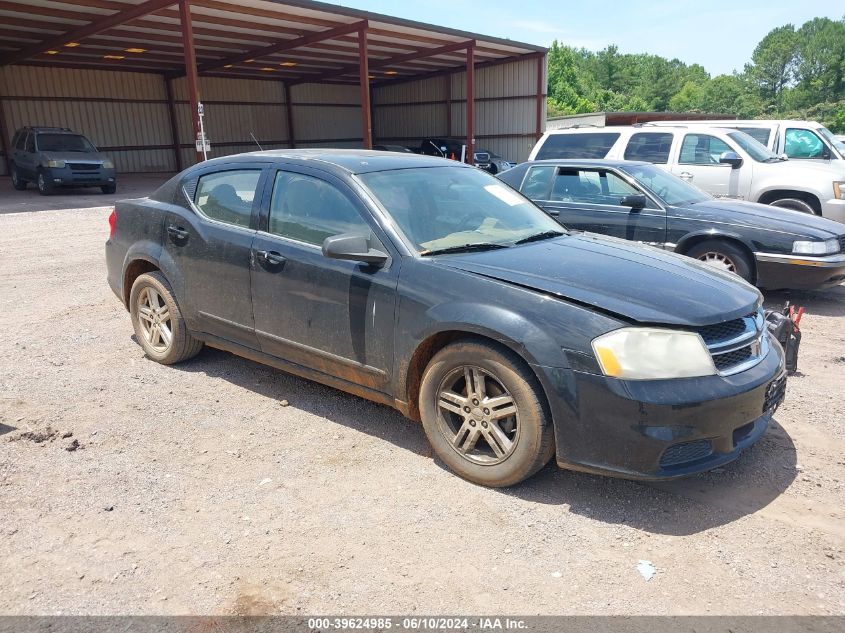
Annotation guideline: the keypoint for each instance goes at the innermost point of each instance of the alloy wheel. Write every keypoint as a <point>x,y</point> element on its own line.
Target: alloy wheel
<point>718,260</point>
<point>477,415</point>
<point>154,319</point>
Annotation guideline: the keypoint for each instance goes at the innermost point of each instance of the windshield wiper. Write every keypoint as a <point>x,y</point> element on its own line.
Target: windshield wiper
<point>545,235</point>
<point>464,248</point>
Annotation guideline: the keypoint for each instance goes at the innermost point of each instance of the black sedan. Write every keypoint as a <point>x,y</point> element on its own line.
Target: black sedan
<point>432,287</point>
<point>768,246</point>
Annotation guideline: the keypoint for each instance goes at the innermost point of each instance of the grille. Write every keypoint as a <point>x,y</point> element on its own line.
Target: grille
<point>84,166</point>
<point>686,452</point>
<point>724,362</point>
<point>715,334</point>
<point>774,395</point>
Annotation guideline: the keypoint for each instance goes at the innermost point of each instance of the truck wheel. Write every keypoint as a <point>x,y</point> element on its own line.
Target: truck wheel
<point>17,182</point>
<point>112,188</point>
<point>158,322</point>
<point>45,187</point>
<point>484,414</point>
<point>723,255</point>
<point>796,204</point>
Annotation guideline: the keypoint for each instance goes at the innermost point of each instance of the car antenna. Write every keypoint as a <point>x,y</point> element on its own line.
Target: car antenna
<point>256,141</point>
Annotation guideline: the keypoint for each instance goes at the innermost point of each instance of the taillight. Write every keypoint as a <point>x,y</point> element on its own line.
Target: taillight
<point>112,223</point>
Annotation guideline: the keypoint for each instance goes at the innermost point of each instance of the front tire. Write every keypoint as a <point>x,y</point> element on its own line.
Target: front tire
<point>795,204</point>
<point>45,188</point>
<point>725,256</point>
<point>17,182</point>
<point>110,188</point>
<point>485,415</point>
<point>158,322</point>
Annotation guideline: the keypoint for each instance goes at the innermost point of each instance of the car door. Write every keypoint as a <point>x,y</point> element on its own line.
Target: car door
<point>334,316</point>
<point>209,243</point>
<point>588,199</point>
<point>698,163</point>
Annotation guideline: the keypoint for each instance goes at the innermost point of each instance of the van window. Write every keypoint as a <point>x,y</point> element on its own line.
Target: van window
<point>800,143</point>
<point>20,142</point>
<point>651,147</point>
<point>588,145</point>
<point>702,149</point>
<point>759,134</point>
<point>30,142</point>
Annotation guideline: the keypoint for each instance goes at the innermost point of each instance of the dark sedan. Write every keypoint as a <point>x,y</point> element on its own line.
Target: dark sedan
<point>432,287</point>
<point>768,246</point>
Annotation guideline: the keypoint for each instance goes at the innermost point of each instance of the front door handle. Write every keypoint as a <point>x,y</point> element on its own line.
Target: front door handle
<point>271,258</point>
<point>685,175</point>
<point>177,233</point>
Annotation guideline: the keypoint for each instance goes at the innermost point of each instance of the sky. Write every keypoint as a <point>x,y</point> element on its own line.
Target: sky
<point>718,34</point>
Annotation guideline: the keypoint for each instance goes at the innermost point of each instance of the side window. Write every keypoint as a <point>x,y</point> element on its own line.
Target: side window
<point>650,146</point>
<point>586,145</point>
<point>589,186</point>
<point>802,144</point>
<point>759,134</point>
<point>30,142</point>
<point>226,196</point>
<point>702,149</point>
<point>309,210</point>
<point>538,182</point>
<point>19,142</point>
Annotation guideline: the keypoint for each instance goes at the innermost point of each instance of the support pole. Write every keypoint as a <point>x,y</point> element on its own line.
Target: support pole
<point>174,127</point>
<point>470,89</point>
<point>289,109</point>
<point>4,140</point>
<point>191,74</point>
<point>448,88</point>
<point>364,79</point>
<point>541,62</point>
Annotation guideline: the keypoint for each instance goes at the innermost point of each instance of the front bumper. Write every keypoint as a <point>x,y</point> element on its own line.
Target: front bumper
<point>69,177</point>
<point>799,272</point>
<point>662,429</point>
<point>834,209</point>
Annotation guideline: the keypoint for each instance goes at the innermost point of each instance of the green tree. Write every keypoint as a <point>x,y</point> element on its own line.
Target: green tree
<point>690,98</point>
<point>821,60</point>
<point>773,62</point>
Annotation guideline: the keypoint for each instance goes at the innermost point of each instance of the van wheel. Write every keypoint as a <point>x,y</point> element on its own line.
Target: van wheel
<point>158,322</point>
<point>111,188</point>
<point>45,188</point>
<point>484,414</point>
<point>723,255</point>
<point>796,204</point>
<point>17,182</point>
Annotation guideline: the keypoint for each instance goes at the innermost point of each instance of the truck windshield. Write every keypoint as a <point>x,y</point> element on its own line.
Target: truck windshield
<point>830,138</point>
<point>754,148</point>
<point>64,143</point>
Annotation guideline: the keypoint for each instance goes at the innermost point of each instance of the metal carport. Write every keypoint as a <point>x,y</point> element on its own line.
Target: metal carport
<point>292,73</point>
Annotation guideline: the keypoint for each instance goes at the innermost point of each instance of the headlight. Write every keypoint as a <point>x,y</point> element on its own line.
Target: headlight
<point>839,189</point>
<point>58,164</point>
<point>828,247</point>
<point>652,354</point>
<point>108,164</point>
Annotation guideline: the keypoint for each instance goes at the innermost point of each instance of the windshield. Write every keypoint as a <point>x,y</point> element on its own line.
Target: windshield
<point>755,149</point>
<point>670,189</point>
<point>445,207</point>
<point>831,138</point>
<point>64,143</point>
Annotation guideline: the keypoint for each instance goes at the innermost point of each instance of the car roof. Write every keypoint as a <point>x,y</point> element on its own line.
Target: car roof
<point>352,161</point>
<point>52,130</point>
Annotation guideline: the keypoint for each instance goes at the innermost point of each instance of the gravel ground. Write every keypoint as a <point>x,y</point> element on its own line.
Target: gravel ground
<point>129,487</point>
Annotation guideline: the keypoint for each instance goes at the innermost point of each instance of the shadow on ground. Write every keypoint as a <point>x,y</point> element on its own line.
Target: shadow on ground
<point>830,302</point>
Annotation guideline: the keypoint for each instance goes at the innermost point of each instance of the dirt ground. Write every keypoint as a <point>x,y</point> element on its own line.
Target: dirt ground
<point>129,487</point>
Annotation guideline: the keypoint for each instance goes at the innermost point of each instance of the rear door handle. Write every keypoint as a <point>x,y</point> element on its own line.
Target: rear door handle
<point>177,233</point>
<point>271,258</point>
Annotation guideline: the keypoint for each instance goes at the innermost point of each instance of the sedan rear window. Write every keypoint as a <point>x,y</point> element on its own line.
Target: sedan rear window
<point>587,145</point>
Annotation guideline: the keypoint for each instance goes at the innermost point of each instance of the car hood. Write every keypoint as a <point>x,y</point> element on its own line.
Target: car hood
<point>762,216</point>
<point>76,157</point>
<point>793,166</point>
<point>635,282</point>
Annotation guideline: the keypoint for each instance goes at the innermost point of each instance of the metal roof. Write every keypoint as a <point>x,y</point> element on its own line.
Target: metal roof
<point>295,41</point>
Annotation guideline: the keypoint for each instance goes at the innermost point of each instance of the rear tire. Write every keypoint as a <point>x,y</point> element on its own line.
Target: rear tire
<point>107,189</point>
<point>795,204</point>
<point>17,182</point>
<point>724,255</point>
<point>158,322</point>
<point>45,188</point>
<point>485,414</point>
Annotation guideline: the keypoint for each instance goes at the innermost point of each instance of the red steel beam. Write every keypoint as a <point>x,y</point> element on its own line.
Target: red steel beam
<point>190,66</point>
<point>97,26</point>
<point>470,102</point>
<point>4,140</point>
<point>289,108</point>
<point>364,80</point>
<point>174,127</point>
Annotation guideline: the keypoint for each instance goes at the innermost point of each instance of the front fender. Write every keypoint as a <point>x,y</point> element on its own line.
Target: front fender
<point>713,234</point>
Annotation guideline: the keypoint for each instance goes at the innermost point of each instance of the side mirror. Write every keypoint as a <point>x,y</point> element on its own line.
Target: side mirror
<point>352,247</point>
<point>731,158</point>
<point>636,201</point>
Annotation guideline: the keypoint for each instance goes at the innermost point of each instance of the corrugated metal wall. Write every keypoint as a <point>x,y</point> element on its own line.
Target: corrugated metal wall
<point>505,109</point>
<point>326,115</point>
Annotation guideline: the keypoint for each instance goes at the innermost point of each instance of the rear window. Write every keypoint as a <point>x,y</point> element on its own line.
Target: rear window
<point>651,147</point>
<point>759,134</point>
<point>588,145</point>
